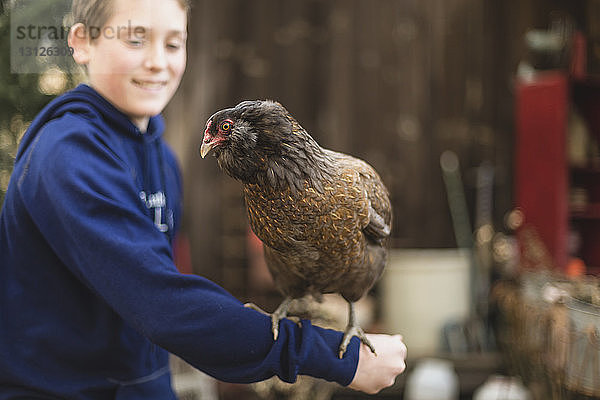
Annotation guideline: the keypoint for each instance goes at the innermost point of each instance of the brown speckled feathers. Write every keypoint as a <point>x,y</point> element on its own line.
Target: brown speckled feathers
<point>316,239</point>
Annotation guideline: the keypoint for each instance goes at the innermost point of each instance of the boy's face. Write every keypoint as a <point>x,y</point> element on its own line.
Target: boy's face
<point>139,57</point>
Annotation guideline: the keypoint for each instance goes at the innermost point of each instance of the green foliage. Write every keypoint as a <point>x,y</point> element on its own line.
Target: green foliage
<point>20,97</point>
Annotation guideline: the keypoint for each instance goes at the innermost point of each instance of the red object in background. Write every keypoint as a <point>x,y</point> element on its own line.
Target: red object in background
<point>575,268</point>
<point>541,174</point>
<point>182,256</point>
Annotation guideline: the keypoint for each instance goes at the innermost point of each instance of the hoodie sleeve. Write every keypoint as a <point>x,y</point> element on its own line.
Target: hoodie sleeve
<point>83,200</point>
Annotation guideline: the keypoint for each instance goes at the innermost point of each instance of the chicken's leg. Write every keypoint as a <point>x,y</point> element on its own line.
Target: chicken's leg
<point>276,316</point>
<point>353,329</point>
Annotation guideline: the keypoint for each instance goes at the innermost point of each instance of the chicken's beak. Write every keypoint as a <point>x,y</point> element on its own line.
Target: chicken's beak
<point>205,148</point>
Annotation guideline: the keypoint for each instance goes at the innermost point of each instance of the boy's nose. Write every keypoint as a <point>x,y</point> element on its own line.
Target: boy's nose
<point>156,57</point>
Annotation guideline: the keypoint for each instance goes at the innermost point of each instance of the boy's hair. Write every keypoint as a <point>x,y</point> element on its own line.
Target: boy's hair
<point>95,13</point>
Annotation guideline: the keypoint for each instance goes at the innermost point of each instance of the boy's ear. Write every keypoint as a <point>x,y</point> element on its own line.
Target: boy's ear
<point>79,41</point>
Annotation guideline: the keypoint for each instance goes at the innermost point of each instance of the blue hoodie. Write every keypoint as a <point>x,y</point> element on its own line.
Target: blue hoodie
<point>90,300</point>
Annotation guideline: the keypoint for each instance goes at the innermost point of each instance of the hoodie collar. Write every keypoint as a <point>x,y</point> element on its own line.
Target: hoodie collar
<point>118,119</point>
<point>85,100</point>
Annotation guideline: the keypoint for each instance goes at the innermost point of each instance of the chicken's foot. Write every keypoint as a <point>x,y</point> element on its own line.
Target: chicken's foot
<point>353,329</point>
<point>276,316</point>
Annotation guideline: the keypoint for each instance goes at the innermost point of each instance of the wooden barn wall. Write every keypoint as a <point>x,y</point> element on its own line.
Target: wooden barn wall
<point>395,82</point>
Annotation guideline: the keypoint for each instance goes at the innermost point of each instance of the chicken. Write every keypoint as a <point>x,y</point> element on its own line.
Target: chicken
<point>324,217</point>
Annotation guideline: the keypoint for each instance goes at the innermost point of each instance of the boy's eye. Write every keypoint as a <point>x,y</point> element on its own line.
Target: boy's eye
<point>134,42</point>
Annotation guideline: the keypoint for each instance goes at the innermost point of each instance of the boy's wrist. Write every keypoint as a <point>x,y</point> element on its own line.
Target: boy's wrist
<point>322,360</point>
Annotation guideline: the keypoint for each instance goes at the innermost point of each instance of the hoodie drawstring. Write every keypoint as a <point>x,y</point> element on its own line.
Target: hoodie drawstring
<point>169,219</point>
<point>166,214</point>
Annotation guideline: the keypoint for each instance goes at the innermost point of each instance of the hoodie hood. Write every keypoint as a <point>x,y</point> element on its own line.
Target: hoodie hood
<point>86,101</point>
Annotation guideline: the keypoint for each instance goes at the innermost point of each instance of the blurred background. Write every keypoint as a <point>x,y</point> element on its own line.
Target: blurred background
<point>480,116</point>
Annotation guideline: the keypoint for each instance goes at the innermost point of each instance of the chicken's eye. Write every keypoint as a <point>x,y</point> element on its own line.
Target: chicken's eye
<point>226,126</point>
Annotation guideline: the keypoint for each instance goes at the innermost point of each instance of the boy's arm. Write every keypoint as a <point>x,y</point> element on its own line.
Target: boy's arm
<point>84,201</point>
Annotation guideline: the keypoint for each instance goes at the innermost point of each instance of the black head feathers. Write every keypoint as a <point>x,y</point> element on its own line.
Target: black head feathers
<point>258,141</point>
<point>266,116</point>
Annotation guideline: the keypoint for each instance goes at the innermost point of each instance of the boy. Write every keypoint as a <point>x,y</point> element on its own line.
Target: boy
<point>90,301</point>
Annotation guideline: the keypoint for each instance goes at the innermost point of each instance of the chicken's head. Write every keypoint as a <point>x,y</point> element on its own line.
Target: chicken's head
<point>221,129</point>
<point>245,136</point>
<point>241,128</point>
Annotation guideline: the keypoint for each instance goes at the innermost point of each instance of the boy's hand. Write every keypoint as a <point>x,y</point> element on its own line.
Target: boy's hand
<point>377,372</point>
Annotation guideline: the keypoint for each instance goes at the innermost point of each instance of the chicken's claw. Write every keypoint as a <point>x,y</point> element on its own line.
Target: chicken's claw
<point>359,333</point>
<point>353,329</point>
<point>278,314</point>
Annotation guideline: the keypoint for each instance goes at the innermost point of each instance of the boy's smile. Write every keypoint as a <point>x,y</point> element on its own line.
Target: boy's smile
<point>149,84</point>
<point>139,56</point>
